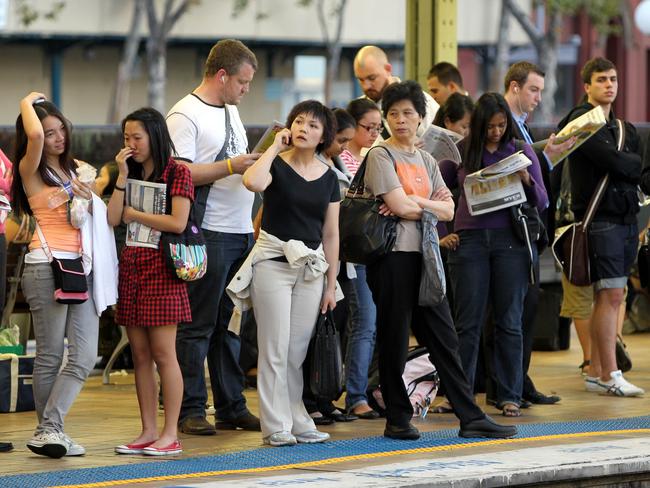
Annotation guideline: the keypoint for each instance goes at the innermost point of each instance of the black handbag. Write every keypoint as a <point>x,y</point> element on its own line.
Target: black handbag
<point>364,234</point>
<point>70,285</point>
<point>185,254</point>
<point>325,359</point>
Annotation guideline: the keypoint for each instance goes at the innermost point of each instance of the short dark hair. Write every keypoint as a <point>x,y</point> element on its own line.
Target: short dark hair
<point>519,72</point>
<point>323,114</point>
<point>487,107</point>
<point>595,65</point>
<point>359,107</point>
<point>230,55</point>
<point>454,108</point>
<point>343,120</point>
<point>43,110</point>
<point>404,90</point>
<point>446,73</point>
<point>160,142</point>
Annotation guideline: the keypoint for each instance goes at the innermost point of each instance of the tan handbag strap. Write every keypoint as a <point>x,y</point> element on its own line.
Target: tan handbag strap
<point>602,184</point>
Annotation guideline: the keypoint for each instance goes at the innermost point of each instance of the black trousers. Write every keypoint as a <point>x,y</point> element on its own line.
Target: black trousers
<point>394,281</point>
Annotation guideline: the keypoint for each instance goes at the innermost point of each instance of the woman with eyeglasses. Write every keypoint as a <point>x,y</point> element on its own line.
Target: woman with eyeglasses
<point>368,118</point>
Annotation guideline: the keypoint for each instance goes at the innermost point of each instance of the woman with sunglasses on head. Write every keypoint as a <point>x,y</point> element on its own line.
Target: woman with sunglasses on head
<point>43,167</point>
<point>152,301</point>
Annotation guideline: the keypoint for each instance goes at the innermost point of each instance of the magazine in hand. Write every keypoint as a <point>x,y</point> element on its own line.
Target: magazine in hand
<point>582,128</point>
<point>146,197</point>
<point>268,137</point>
<point>497,186</point>
<point>441,143</point>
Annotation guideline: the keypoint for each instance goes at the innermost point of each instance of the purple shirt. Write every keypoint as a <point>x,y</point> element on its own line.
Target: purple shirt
<point>454,176</point>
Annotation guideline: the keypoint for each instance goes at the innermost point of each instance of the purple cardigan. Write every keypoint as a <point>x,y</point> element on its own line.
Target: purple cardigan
<point>454,176</point>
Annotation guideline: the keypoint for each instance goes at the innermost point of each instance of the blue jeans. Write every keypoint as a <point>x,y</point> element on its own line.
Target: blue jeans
<point>55,389</point>
<point>208,336</point>
<point>361,340</point>
<point>491,266</point>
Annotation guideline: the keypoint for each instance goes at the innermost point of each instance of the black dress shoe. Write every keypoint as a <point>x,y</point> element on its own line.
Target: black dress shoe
<point>338,416</point>
<point>525,404</point>
<point>486,427</point>
<point>6,446</point>
<point>369,415</point>
<point>322,420</point>
<point>248,421</point>
<point>408,433</point>
<point>539,398</point>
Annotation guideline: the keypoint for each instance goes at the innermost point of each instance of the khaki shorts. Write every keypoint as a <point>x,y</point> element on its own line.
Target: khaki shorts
<point>576,300</point>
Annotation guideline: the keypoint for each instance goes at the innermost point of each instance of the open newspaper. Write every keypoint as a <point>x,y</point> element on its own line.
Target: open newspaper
<point>268,137</point>
<point>582,128</point>
<point>441,143</point>
<point>496,186</point>
<point>146,197</point>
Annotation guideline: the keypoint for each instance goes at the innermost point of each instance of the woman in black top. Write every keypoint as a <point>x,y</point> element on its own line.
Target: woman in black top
<point>294,265</point>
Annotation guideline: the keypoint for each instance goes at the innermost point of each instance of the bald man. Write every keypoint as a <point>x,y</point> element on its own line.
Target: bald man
<point>375,73</point>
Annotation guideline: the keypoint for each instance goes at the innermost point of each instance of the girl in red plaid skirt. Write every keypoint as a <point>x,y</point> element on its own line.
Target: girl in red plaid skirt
<point>151,300</point>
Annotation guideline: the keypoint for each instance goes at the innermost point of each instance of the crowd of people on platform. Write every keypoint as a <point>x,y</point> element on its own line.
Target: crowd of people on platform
<point>289,272</point>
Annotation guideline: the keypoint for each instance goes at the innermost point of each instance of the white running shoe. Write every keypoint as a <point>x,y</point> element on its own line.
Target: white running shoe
<point>592,384</point>
<point>619,386</point>
<point>312,437</point>
<point>51,444</point>
<point>282,438</point>
<point>74,449</point>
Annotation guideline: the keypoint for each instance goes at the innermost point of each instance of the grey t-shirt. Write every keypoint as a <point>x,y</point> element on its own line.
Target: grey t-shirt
<point>417,173</point>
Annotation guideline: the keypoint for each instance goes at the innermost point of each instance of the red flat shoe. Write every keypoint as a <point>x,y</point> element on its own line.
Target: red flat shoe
<point>132,448</point>
<point>171,449</point>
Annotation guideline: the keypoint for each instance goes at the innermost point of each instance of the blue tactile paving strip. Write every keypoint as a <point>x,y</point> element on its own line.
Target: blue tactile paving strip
<point>264,459</point>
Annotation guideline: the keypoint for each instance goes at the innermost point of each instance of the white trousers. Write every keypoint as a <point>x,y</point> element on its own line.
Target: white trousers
<point>286,308</point>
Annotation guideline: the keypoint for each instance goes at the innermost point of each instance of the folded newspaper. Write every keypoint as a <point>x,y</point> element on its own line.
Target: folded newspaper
<point>441,143</point>
<point>496,186</point>
<point>582,128</point>
<point>146,197</point>
<point>268,137</point>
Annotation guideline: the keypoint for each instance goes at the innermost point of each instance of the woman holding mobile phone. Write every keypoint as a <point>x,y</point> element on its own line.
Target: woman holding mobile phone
<point>291,270</point>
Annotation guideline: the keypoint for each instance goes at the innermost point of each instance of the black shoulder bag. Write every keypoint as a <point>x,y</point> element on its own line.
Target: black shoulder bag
<point>364,234</point>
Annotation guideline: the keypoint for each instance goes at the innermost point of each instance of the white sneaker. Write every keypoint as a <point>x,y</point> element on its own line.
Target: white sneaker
<point>282,438</point>
<point>592,384</point>
<point>51,444</point>
<point>74,449</point>
<point>312,437</point>
<point>619,386</point>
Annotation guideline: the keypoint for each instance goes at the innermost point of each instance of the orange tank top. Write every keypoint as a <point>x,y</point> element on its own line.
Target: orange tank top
<point>58,232</point>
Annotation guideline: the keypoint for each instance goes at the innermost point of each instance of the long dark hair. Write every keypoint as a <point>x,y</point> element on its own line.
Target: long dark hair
<point>455,108</point>
<point>42,109</point>
<point>160,142</point>
<point>487,107</point>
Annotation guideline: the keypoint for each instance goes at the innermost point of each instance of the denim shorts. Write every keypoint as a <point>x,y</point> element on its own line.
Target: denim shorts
<point>612,251</point>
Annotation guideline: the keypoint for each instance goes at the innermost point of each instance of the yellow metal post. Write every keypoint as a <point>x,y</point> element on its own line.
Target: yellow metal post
<point>431,36</point>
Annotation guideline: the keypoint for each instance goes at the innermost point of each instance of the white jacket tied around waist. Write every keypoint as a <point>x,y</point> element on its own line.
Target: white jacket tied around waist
<point>266,247</point>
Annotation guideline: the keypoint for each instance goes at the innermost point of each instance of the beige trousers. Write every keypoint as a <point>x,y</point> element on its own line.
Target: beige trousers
<point>286,308</point>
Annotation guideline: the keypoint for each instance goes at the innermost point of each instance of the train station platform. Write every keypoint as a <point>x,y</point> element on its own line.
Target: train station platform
<point>585,440</point>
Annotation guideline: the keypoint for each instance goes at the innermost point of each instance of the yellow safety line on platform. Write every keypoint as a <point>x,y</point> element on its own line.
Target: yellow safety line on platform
<point>373,455</point>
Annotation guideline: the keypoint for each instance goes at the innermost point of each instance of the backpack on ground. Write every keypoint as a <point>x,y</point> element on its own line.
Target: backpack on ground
<point>420,379</point>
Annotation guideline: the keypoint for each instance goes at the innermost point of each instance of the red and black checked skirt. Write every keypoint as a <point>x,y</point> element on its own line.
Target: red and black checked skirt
<point>149,295</point>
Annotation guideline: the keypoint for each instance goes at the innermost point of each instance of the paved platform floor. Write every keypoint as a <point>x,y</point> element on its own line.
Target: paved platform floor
<point>107,415</point>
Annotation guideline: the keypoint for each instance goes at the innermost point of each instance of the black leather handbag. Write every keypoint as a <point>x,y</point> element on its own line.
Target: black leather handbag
<point>364,234</point>
<point>325,359</point>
